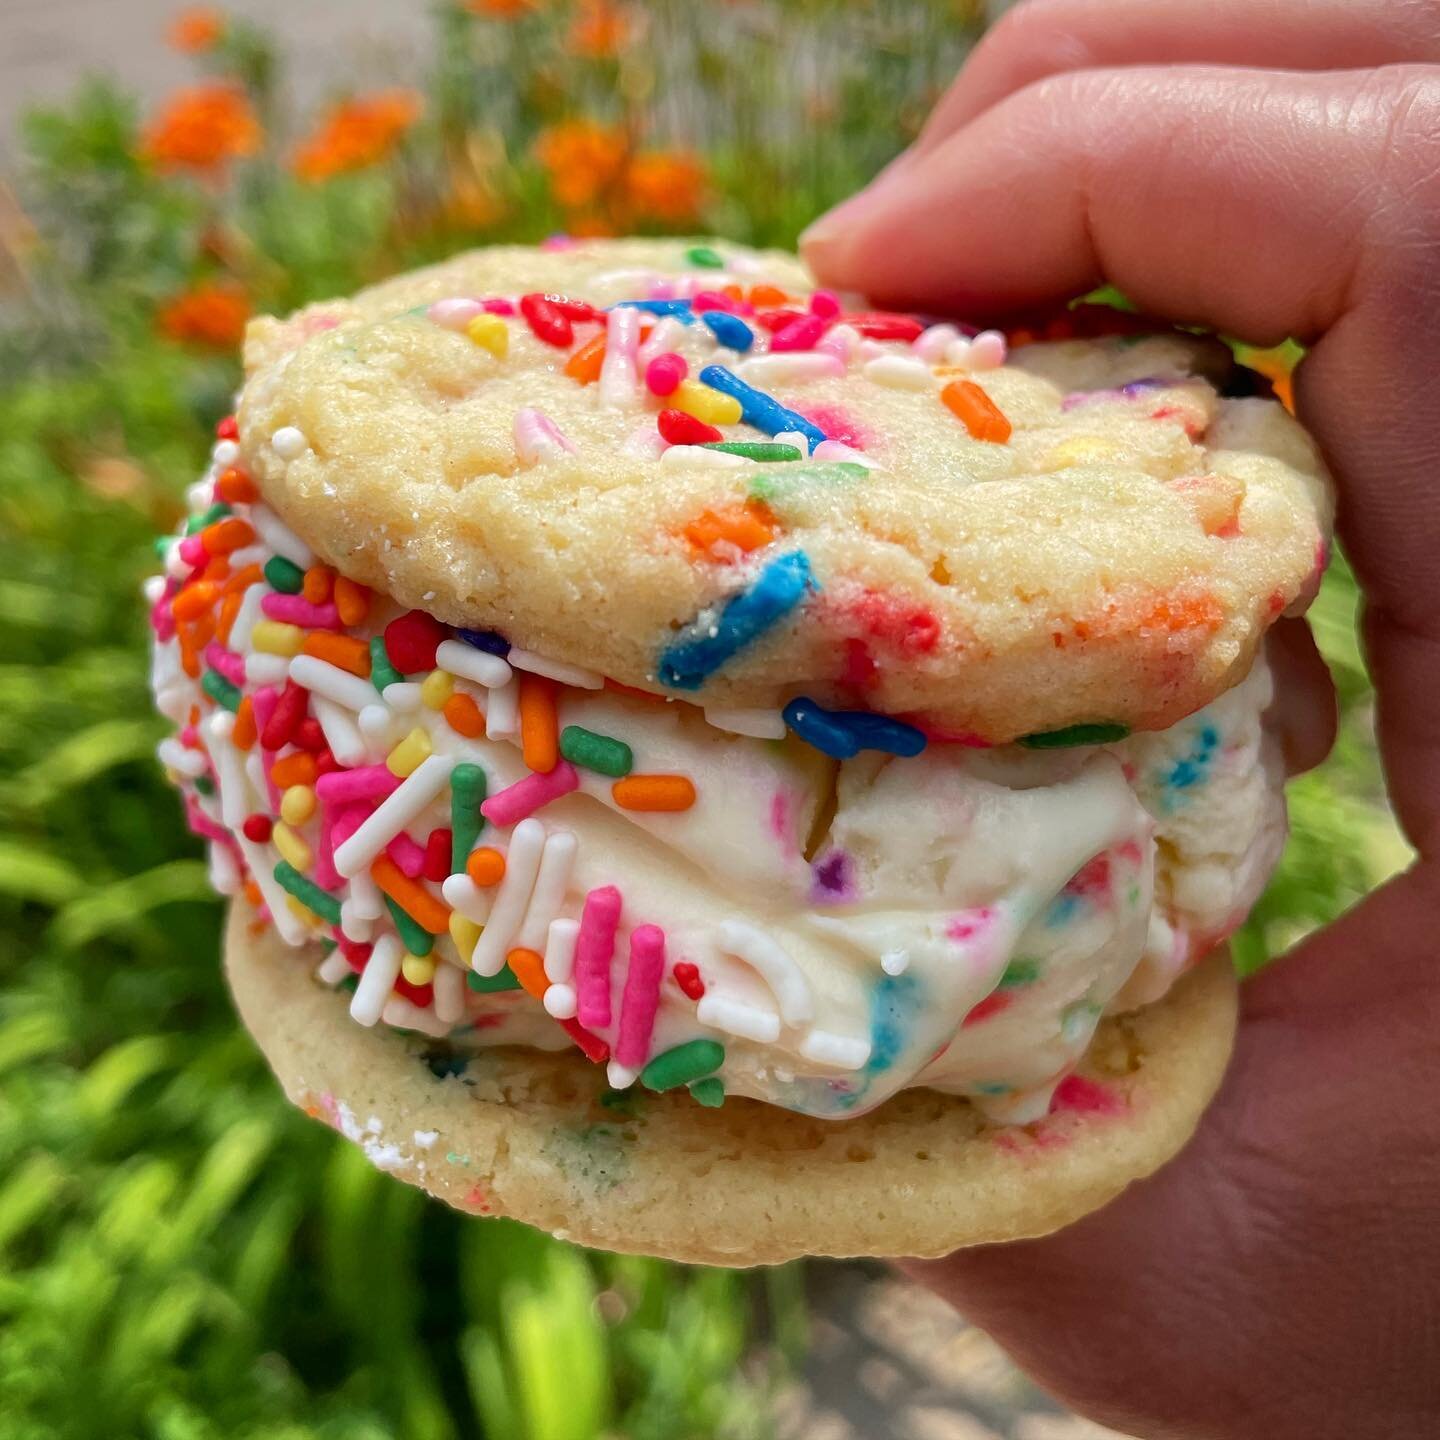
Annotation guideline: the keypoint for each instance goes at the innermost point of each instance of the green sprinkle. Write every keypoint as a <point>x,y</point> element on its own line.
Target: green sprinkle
<point>307,892</point>
<point>220,690</point>
<point>596,752</point>
<point>709,1092</point>
<point>162,544</point>
<point>1020,972</point>
<point>284,575</point>
<point>682,1064</point>
<point>705,257</point>
<point>382,672</point>
<point>204,784</point>
<point>468,787</point>
<point>196,523</point>
<point>415,938</point>
<point>1100,733</point>
<point>489,984</point>
<point>350,984</point>
<point>767,484</point>
<point>754,450</point>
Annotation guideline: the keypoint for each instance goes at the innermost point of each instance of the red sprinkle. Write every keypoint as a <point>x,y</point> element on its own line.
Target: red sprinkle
<point>411,641</point>
<point>575,309</point>
<point>882,325</point>
<point>802,334</point>
<point>285,717</point>
<point>687,977</point>
<point>437,855</point>
<point>228,429</point>
<point>991,1005</point>
<point>548,322</point>
<point>309,736</point>
<point>774,320</point>
<point>681,429</point>
<point>594,1048</point>
<point>325,762</point>
<point>257,828</point>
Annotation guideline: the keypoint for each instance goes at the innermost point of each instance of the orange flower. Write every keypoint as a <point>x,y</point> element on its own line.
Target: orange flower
<point>666,185</point>
<point>211,313</point>
<point>502,9</point>
<point>600,29</point>
<point>196,30</point>
<point>202,128</point>
<point>583,159</point>
<point>357,133</point>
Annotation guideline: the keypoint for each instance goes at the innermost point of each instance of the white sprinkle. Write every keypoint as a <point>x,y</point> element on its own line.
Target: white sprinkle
<point>225,454</point>
<point>352,926</point>
<point>224,872</point>
<point>403,696</point>
<point>181,758</point>
<point>455,312</point>
<point>341,733</point>
<point>790,367</point>
<point>619,385</point>
<point>538,437</point>
<point>332,682</point>
<point>255,771</point>
<point>333,968</point>
<point>698,457</point>
<point>471,664</point>
<point>784,977</point>
<point>152,588</point>
<point>174,701</point>
<point>449,993</point>
<point>246,616</point>
<point>988,350</point>
<point>933,345</point>
<point>899,372</point>
<point>365,898</point>
<point>838,450</point>
<point>398,809</point>
<point>176,567</point>
<point>404,1014</point>
<point>895,962</point>
<point>795,438</point>
<point>666,335</point>
<point>556,670</point>
<point>263,669</point>
<point>280,537</point>
<point>262,871</point>
<point>841,341</point>
<point>250,555</point>
<point>560,951</point>
<point>845,1052</point>
<point>229,770</point>
<point>502,712</point>
<point>560,1002</point>
<point>289,443</point>
<point>381,971</point>
<point>378,726</point>
<point>522,861</point>
<point>551,881</point>
<point>761,724</point>
<point>463,894</point>
<point>621,1077</point>
<point>737,1018</point>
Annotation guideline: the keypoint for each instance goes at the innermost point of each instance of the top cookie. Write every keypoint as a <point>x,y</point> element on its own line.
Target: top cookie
<point>1089,533</point>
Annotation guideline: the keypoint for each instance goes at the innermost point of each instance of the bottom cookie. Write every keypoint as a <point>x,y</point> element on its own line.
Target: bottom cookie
<point>540,1138</point>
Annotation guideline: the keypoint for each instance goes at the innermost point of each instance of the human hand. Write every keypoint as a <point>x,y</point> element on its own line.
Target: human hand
<point>1282,1277</point>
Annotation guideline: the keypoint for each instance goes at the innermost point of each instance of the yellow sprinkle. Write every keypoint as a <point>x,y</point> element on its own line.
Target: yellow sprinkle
<point>1080,450</point>
<point>272,637</point>
<point>705,404</point>
<point>464,933</point>
<point>408,754</point>
<point>437,687</point>
<point>297,804</point>
<point>302,911</point>
<point>491,333</point>
<point>418,969</point>
<point>291,847</point>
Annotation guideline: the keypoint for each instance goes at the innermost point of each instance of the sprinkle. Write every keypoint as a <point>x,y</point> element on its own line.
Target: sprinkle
<point>687,977</point>
<point>594,947</point>
<point>235,487</point>
<point>341,733</point>
<point>784,977</point>
<point>825,303</point>
<point>287,714</point>
<point>758,409</point>
<point>735,1017</point>
<point>377,981</point>
<point>522,862</point>
<point>559,1002</point>
<point>418,969</point>
<point>845,1052</point>
<point>220,690</point>
<point>503,979</point>
<point>436,688</point>
<point>257,828</point>
<point>709,1092</point>
<point>934,343</point>
<point>502,711</point>
<point>454,313</point>
<point>560,950</point>
<point>555,669</point>
<point>552,880</point>
<point>730,330</point>
<point>270,637</point>
<point>683,1063</point>
<point>468,784</point>
<point>297,805</point>
<point>382,672</point>
<point>601,753</point>
<point>585,365</point>
<point>641,998</point>
<point>988,351</point>
<point>464,716</point>
<point>485,866</point>
<point>528,967</point>
<point>539,725</point>
<point>284,576</point>
<point>464,932</point>
<point>704,257</point>
<point>471,664</point>
<point>351,600</point>
<point>318,585</point>
<point>293,610</point>
<point>1099,733</point>
<point>844,733</point>
<point>411,896</point>
<point>342,651</point>
<point>591,1046</point>
<point>654,792</point>
<point>307,892</point>
<point>526,796</point>
<point>547,321</point>
<point>411,641</point>
<point>490,641</point>
<point>705,403</point>
<point>791,369</point>
<point>404,759</point>
<point>884,326</point>
<point>678,428</point>
<point>977,411</point>
<point>415,938</point>
<point>680,309</point>
<point>757,450</point>
<point>697,456</point>
<point>279,537</point>
<point>490,333</point>
<point>747,527</point>
<point>406,854</point>
<point>291,847</point>
<point>803,333</point>
<point>619,384</point>
<point>899,372</point>
<point>289,443</point>
<point>394,814</point>
<point>366,782</point>
<point>839,452</point>
<point>341,686</point>
<point>665,372</point>
<point>712,639</point>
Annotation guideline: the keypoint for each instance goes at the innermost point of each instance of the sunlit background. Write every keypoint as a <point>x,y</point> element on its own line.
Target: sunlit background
<point>184,1257</point>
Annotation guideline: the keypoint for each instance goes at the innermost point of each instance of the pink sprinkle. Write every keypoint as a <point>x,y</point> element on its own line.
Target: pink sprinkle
<point>407,855</point>
<point>324,874</point>
<point>594,947</point>
<point>512,804</point>
<point>970,923</point>
<point>161,620</point>
<point>227,662</point>
<point>296,610</point>
<point>642,995</point>
<point>712,300</point>
<point>190,737</point>
<point>496,306</point>
<point>802,334</point>
<point>1086,1097</point>
<point>665,372</point>
<point>455,313</point>
<point>264,702</point>
<point>192,551</point>
<point>346,822</point>
<point>825,304</point>
<point>364,782</point>
<point>203,825</point>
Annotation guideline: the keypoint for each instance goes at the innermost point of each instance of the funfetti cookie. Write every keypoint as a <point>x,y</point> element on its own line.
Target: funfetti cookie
<point>739,758</point>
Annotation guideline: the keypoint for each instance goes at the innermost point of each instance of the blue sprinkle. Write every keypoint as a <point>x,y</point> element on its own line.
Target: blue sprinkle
<point>487,640</point>
<point>894,1002</point>
<point>843,733</point>
<point>710,640</point>
<point>759,409</point>
<point>680,309</point>
<point>728,329</point>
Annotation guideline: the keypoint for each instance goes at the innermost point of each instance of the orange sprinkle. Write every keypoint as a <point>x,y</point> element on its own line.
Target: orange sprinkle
<point>253,895</point>
<point>747,527</point>
<point>297,768</point>
<point>243,735</point>
<point>351,600</point>
<point>411,896</point>
<point>732,292</point>
<point>342,650</point>
<point>976,411</point>
<point>539,725</point>
<point>584,365</point>
<point>226,535</point>
<point>194,715</point>
<point>235,487</point>
<point>244,579</point>
<point>654,792</point>
<point>318,582</point>
<point>485,866</point>
<point>194,600</point>
<point>767,297</point>
<point>529,969</point>
<point>464,716</point>
<point>229,609</point>
<point>217,570</point>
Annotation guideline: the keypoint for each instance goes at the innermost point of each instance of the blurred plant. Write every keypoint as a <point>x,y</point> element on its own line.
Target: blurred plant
<point>357,134</point>
<point>202,129</point>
